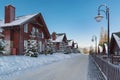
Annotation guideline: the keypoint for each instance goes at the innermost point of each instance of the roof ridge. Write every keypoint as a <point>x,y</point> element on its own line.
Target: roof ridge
<point>117,33</point>
<point>19,20</point>
<point>26,15</point>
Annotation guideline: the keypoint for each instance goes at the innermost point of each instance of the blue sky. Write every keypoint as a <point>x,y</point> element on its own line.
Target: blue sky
<point>73,17</point>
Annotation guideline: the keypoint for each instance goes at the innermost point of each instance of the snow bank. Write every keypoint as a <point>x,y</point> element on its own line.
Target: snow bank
<point>12,64</point>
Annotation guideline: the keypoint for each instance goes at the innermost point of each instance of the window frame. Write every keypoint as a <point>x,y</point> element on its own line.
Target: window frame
<point>26,28</point>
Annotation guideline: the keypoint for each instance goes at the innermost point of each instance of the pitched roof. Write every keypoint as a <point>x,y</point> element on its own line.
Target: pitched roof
<point>100,48</point>
<point>59,37</point>
<point>18,20</point>
<point>117,33</point>
<point>117,39</point>
<point>60,34</point>
<point>70,42</point>
<point>75,45</point>
<point>106,47</point>
<point>22,19</point>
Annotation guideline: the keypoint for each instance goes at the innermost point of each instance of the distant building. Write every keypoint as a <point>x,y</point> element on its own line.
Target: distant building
<point>75,49</point>
<point>17,31</point>
<point>70,46</point>
<point>115,43</point>
<point>105,49</point>
<point>75,46</point>
<point>58,42</point>
<point>100,49</point>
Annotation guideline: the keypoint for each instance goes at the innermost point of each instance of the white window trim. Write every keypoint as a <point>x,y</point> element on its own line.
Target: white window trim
<point>42,35</point>
<point>25,44</point>
<point>26,28</point>
<point>37,30</point>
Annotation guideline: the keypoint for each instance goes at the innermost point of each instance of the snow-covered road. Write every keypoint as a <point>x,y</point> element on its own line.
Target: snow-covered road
<point>75,68</point>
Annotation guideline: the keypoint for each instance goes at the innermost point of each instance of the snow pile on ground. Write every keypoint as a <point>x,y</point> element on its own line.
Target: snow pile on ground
<point>11,64</point>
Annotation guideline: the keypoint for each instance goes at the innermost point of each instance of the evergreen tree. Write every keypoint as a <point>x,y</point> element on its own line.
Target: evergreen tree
<point>32,49</point>
<point>3,44</point>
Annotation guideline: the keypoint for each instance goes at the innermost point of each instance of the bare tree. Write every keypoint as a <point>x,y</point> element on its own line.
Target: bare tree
<point>103,36</point>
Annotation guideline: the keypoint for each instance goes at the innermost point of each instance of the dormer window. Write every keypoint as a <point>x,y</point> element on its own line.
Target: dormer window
<point>26,28</point>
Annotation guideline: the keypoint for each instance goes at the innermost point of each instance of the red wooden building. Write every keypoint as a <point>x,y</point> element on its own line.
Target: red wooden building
<point>59,42</point>
<point>17,30</point>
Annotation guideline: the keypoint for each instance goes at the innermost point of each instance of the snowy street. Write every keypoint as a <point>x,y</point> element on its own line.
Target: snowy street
<point>70,69</point>
<point>75,68</point>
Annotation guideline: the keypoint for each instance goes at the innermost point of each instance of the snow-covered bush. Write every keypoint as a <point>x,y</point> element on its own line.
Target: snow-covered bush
<point>32,48</point>
<point>3,44</point>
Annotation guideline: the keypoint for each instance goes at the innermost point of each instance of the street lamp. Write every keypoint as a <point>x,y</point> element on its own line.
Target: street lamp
<point>94,38</point>
<point>99,18</point>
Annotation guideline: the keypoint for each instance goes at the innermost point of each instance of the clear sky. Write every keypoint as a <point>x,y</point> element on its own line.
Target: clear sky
<point>73,17</point>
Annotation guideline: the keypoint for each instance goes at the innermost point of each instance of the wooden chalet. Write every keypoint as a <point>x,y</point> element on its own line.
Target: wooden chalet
<point>17,31</point>
<point>59,42</point>
<point>70,44</point>
<point>115,43</point>
<point>75,46</point>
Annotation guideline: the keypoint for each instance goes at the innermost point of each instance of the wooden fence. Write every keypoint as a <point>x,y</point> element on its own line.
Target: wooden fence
<point>111,71</point>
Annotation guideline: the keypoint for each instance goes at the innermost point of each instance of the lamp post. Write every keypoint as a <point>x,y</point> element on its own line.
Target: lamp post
<point>94,38</point>
<point>99,18</point>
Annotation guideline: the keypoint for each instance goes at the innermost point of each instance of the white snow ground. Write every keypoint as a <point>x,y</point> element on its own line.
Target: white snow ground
<point>14,65</point>
<point>75,68</point>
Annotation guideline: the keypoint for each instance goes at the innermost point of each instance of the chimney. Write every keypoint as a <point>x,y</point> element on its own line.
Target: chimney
<point>53,36</point>
<point>9,13</point>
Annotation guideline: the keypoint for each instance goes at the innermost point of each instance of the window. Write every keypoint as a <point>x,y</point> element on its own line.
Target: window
<point>25,44</point>
<point>37,31</point>
<point>42,35</point>
<point>33,29</point>
<point>26,28</point>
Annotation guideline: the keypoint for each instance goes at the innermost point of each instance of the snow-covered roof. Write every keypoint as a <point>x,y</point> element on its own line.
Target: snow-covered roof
<point>75,45</point>
<point>59,38</point>
<point>70,42</point>
<point>18,20</point>
<point>100,48</point>
<point>117,39</point>
<point>106,47</point>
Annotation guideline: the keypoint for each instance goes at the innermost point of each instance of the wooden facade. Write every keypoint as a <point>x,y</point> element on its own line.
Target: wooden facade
<point>59,42</point>
<point>17,31</point>
<point>115,43</point>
